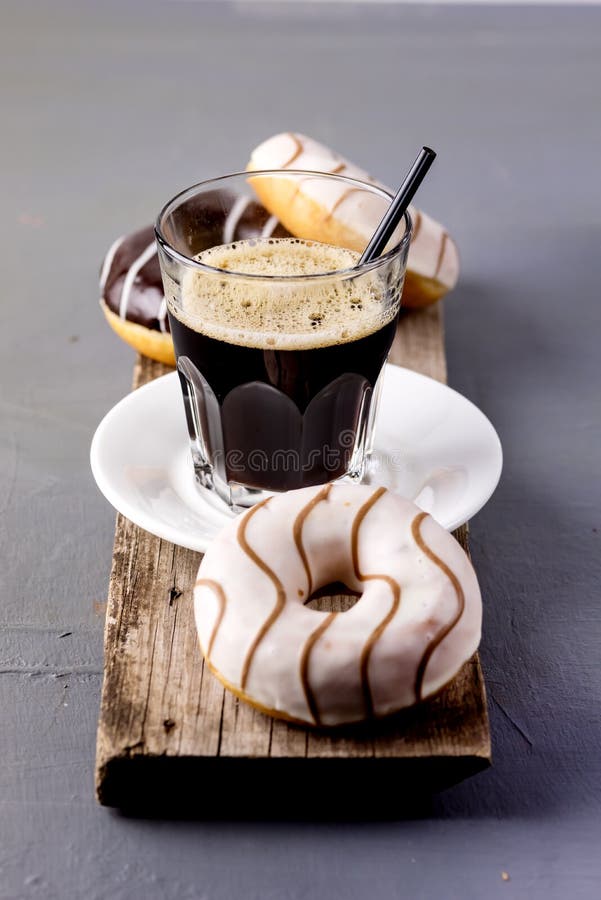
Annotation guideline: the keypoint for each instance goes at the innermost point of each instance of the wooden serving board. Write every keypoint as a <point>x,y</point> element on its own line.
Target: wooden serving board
<point>170,735</point>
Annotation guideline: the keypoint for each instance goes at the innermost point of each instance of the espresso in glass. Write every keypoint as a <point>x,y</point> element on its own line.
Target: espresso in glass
<point>280,344</point>
<point>291,370</point>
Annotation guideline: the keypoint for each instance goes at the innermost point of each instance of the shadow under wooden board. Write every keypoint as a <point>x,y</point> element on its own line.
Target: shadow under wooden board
<point>171,737</point>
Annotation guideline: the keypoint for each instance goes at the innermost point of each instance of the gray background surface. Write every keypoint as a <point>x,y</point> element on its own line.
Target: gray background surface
<point>107,109</point>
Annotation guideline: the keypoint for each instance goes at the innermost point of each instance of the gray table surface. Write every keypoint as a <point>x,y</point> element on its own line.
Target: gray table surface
<point>106,110</point>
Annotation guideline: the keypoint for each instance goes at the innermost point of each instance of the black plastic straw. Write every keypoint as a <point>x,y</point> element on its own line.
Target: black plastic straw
<point>398,207</point>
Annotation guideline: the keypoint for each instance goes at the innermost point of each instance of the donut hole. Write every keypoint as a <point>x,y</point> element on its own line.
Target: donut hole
<point>333,597</point>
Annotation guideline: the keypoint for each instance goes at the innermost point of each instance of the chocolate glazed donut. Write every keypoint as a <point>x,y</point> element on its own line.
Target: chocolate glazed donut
<point>131,288</point>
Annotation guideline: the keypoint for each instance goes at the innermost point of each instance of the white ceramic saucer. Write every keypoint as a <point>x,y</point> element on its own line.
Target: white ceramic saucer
<point>432,445</point>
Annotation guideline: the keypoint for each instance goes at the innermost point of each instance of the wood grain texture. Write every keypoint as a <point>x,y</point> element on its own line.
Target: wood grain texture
<point>168,730</point>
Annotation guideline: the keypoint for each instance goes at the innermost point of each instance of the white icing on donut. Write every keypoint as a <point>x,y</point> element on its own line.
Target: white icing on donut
<point>432,253</point>
<point>233,217</point>
<point>108,261</point>
<point>132,273</point>
<point>416,623</point>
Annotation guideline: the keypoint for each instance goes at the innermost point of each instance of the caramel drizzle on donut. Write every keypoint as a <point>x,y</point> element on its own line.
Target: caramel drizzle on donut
<point>279,588</point>
<point>304,665</point>
<point>339,167</point>
<point>297,532</point>
<point>443,244</point>
<point>340,200</point>
<point>220,594</point>
<point>417,224</point>
<point>437,640</point>
<point>297,152</point>
<point>396,595</point>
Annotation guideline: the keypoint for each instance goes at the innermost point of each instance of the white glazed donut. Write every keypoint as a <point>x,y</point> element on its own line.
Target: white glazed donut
<point>415,624</point>
<point>336,214</point>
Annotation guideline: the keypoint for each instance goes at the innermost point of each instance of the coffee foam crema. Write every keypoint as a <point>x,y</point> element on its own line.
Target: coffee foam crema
<point>298,315</point>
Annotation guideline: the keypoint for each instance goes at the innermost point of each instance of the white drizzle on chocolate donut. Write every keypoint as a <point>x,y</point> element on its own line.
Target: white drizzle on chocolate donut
<point>130,277</point>
<point>162,316</point>
<point>132,274</point>
<point>108,260</point>
<point>269,227</point>
<point>233,217</point>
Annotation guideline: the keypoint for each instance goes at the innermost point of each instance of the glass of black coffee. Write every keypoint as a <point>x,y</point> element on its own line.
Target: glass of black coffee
<point>280,337</point>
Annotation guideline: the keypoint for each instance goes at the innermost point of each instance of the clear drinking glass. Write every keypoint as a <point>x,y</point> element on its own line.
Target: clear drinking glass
<point>279,373</point>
